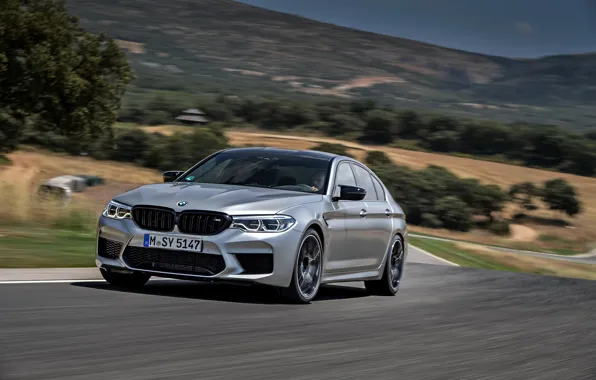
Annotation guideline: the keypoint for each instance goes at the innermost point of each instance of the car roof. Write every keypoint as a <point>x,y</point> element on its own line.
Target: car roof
<point>300,152</point>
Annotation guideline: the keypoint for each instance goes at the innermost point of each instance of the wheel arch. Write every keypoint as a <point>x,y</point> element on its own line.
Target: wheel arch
<point>315,226</point>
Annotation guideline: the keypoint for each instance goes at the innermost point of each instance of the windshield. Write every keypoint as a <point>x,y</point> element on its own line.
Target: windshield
<point>278,170</point>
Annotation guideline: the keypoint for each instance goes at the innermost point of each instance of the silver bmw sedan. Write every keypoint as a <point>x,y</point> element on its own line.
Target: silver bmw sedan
<point>291,219</point>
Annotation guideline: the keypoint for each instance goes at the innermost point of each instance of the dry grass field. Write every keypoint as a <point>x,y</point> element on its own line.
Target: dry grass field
<point>31,167</point>
<point>531,236</point>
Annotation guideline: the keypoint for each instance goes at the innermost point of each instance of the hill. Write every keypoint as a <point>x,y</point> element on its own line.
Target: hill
<point>209,45</point>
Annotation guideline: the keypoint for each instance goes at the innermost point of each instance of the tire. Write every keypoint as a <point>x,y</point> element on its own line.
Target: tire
<point>309,260</point>
<point>388,285</point>
<point>125,280</point>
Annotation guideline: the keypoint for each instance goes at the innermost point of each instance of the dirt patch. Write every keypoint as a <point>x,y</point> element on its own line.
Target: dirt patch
<point>475,248</point>
<point>132,47</point>
<point>285,78</point>
<point>479,106</point>
<point>246,72</point>
<point>341,90</point>
<point>99,196</point>
<point>367,82</point>
<point>523,233</point>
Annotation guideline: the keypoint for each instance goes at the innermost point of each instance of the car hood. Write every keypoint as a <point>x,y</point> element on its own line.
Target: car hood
<point>229,199</point>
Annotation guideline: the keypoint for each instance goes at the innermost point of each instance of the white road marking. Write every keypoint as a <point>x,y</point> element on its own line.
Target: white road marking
<point>69,281</point>
<point>434,256</point>
<point>46,281</point>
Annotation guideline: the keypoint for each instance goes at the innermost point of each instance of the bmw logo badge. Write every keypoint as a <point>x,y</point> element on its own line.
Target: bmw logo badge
<point>182,203</point>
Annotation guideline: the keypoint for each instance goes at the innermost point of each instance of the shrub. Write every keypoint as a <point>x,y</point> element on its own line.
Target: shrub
<point>500,227</point>
<point>377,158</point>
<point>339,149</point>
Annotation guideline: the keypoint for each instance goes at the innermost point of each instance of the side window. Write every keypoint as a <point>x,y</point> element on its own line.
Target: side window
<point>344,176</point>
<point>379,189</point>
<point>364,180</point>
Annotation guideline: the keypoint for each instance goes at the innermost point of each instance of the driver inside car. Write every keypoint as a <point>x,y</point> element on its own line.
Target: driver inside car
<point>318,181</point>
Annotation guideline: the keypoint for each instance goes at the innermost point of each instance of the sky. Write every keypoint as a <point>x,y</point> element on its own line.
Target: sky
<point>511,28</point>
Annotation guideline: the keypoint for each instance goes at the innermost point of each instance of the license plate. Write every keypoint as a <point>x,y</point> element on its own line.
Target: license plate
<point>169,242</point>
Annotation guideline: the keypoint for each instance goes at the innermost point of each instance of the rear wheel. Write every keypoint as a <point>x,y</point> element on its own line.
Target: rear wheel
<point>306,277</point>
<point>388,285</point>
<point>125,280</point>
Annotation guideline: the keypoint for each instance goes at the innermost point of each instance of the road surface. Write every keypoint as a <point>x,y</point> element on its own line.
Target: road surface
<point>445,323</point>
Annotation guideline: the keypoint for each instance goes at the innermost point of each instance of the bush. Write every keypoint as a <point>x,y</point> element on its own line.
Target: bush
<point>10,132</point>
<point>453,213</point>
<point>500,227</point>
<point>377,158</point>
<point>4,160</point>
<point>332,148</point>
<point>182,150</point>
<point>435,197</point>
<point>49,140</point>
<point>131,146</point>
<point>559,195</point>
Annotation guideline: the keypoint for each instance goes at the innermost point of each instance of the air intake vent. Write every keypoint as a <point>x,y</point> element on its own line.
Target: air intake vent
<point>171,261</point>
<point>256,263</point>
<point>108,248</point>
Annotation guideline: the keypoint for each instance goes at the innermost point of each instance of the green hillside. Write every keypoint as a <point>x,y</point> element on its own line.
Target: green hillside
<point>192,45</point>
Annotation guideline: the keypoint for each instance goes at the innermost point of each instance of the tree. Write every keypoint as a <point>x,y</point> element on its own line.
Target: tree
<point>131,146</point>
<point>409,124</point>
<point>10,131</point>
<point>70,80</point>
<point>559,195</point>
<point>523,194</point>
<point>379,127</point>
<point>486,199</point>
<point>182,150</point>
<point>453,213</point>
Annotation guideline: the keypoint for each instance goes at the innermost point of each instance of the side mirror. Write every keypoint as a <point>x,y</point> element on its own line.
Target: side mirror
<point>171,175</point>
<point>350,193</point>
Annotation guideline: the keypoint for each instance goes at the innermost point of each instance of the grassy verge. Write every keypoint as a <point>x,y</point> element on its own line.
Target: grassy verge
<point>38,247</point>
<point>38,233</point>
<point>449,251</point>
<point>4,160</point>
<point>477,256</point>
<point>564,247</point>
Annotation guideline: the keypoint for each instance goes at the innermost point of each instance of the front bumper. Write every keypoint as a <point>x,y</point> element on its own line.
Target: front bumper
<point>230,245</point>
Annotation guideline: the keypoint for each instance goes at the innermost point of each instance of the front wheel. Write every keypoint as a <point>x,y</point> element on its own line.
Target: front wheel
<point>306,277</point>
<point>125,280</point>
<point>388,285</point>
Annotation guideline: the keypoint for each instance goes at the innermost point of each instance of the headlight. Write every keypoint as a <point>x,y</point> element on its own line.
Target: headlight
<point>116,210</point>
<point>263,223</point>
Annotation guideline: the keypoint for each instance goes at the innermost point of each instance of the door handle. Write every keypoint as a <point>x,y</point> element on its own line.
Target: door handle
<point>363,213</point>
<point>388,212</point>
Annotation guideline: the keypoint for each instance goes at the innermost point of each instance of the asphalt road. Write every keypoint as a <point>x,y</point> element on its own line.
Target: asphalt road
<point>445,323</point>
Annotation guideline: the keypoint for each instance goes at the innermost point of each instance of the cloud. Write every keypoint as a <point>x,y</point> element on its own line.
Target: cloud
<point>524,27</point>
